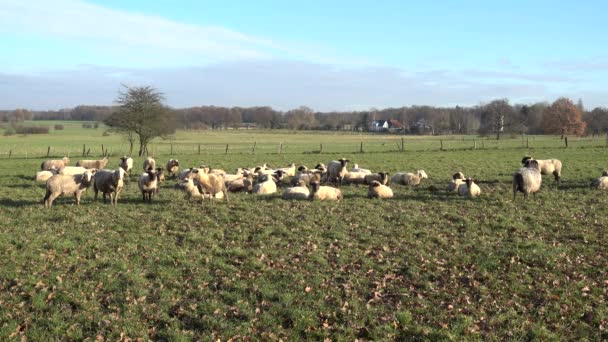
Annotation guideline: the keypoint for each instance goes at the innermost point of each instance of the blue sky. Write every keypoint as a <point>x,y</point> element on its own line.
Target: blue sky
<point>329,55</point>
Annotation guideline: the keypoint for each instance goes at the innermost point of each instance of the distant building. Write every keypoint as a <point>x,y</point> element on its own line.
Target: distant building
<point>390,125</point>
<point>421,126</point>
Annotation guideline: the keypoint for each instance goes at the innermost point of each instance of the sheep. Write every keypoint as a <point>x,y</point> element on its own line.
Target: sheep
<point>602,182</point>
<point>307,177</point>
<point>109,182</point>
<point>381,177</point>
<point>219,172</point>
<point>73,170</point>
<point>267,185</point>
<point>238,174</point>
<point>263,170</point>
<point>93,164</point>
<point>290,170</point>
<point>548,167</point>
<point>527,179</point>
<point>126,163</point>
<point>241,184</point>
<point>43,176</point>
<point>192,191</point>
<point>209,183</point>
<point>336,170</point>
<point>75,185</point>
<point>324,193</point>
<point>149,163</point>
<point>356,168</point>
<point>457,179</point>
<point>172,167</point>
<point>148,184</point>
<point>469,188</point>
<point>47,165</point>
<point>409,178</point>
<point>354,177</point>
<point>299,192</point>
<point>183,175</point>
<point>379,190</point>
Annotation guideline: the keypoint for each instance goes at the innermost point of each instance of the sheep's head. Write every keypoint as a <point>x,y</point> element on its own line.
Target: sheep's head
<point>605,173</point>
<point>279,174</point>
<point>302,168</point>
<point>422,174</point>
<point>469,181</point>
<point>374,184</point>
<point>525,159</point>
<point>532,164</point>
<point>343,161</point>
<point>65,159</point>
<point>87,177</point>
<point>458,175</point>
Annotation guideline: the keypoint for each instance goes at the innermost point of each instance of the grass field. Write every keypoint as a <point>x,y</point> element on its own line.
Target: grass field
<point>426,265</point>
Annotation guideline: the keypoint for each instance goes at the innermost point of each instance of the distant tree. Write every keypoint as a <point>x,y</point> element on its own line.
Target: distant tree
<point>142,114</point>
<point>301,118</point>
<point>563,117</point>
<point>496,116</point>
<point>597,121</point>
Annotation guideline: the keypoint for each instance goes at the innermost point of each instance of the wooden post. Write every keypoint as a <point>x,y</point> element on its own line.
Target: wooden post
<point>84,149</point>
<point>566,141</point>
<point>441,142</point>
<point>280,148</point>
<point>103,153</point>
<point>253,148</point>
<point>199,148</point>
<point>361,148</point>
<point>321,145</point>
<point>48,151</point>
<point>474,144</point>
<point>226,148</point>
<point>402,145</point>
<point>10,153</point>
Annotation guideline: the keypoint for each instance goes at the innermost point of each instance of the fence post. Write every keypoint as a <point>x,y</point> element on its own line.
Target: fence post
<point>483,145</point>
<point>226,148</point>
<point>566,141</point>
<point>474,144</point>
<point>321,145</point>
<point>48,151</point>
<point>10,153</point>
<point>402,145</point>
<point>84,149</point>
<point>253,149</point>
<point>88,151</point>
<point>199,148</point>
<point>441,142</point>
<point>361,147</point>
<point>280,148</point>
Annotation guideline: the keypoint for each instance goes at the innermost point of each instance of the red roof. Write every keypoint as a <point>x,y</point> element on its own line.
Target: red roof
<point>395,123</point>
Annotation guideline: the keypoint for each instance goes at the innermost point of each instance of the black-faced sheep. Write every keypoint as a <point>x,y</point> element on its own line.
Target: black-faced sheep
<point>379,190</point>
<point>457,180</point>
<point>244,184</point>
<point>266,185</point>
<point>324,193</point>
<point>67,185</point>
<point>381,177</point>
<point>148,184</point>
<point>602,182</point>
<point>336,170</point>
<point>527,179</point>
<point>126,163</point>
<point>93,164</point>
<point>109,182</point>
<point>54,164</point>
<point>306,176</point>
<point>547,167</point>
<point>354,177</point>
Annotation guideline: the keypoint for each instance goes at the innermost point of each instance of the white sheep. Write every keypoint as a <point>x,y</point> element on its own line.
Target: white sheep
<point>381,177</point>
<point>43,176</point>
<point>109,182</point>
<point>602,182</point>
<point>73,170</point>
<point>548,167</point>
<point>324,193</point>
<point>209,183</point>
<point>244,184</point>
<point>290,170</point>
<point>457,179</point>
<point>266,185</point>
<point>379,190</point>
<point>299,192</point>
<point>126,163</point>
<point>527,179</point>
<point>59,185</point>
<point>47,165</point>
<point>356,168</point>
<point>93,164</point>
<point>172,167</point>
<point>409,178</point>
<point>336,170</point>
<point>192,191</point>
<point>469,188</point>
<point>149,163</point>
<point>148,184</point>
<point>354,177</point>
<point>306,176</point>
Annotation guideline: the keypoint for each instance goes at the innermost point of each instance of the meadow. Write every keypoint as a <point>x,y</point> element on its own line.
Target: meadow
<point>425,265</point>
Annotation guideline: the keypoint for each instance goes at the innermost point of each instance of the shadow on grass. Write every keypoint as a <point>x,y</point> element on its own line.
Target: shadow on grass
<point>8,202</point>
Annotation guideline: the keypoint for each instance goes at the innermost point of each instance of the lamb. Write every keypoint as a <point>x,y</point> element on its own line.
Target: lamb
<point>126,163</point>
<point>547,167</point>
<point>409,178</point>
<point>109,183</point>
<point>149,163</point>
<point>299,192</point>
<point>59,185</point>
<point>324,193</point>
<point>267,185</point>
<point>47,165</point>
<point>209,183</point>
<point>72,170</point>
<point>43,176</point>
<point>336,170</point>
<point>457,179</point>
<point>148,184</point>
<point>527,179</point>
<point>354,177</point>
<point>379,190</point>
<point>381,177</point>
<point>93,164</point>
<point>602,182</point>
<point>289,171</point>
<point>356,168</point>
<point>241,184</point>
<point>469,188</point>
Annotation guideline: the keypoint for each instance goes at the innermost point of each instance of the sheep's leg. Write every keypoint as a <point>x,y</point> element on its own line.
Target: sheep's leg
<point>96,191</point>
<point>105,199</point>
<point>46,199</point>
<point>143,193</point>
<point>557,176</point>
<point>52,198</point>
<point>77,196</point>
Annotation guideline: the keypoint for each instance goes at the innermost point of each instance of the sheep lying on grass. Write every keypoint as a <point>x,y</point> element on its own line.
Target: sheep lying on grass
<point>193,193</point>
<point>547,167</point>
<point>527,179</point>
<point>355,177</point>
<point>469,188</point>
<point>356,168</point>
<point>57,164</point>
<point>409,178</point>
<point>299,192</point>
<point>457,180</point>
<point>306,176</point>
<point>602,182</point>
<point>211,184</point>
<point>241,185</point>
<point>266,185</point>
<point>381,177</point>
<point>73,170</point>
<point>93,164</point>
<point>59,185</point>
<point>43,176</point>
<point>289,171</point>
<point>379,190</point>
<point>324,193</point>
<point>109,182</point>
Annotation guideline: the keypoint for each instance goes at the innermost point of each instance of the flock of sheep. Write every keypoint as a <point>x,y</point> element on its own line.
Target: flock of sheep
<point>202,182</point>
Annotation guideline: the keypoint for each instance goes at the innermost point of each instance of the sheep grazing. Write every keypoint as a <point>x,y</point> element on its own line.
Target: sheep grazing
<point>409,178</point>
<point>324,193</point>
<point>266,186</point>
<point>47,165</point>
<point>126,163</point>
<point>527,179</point>
<point>43,176</point>
<point>469,188</point>
<point>379,190</point>
<point>356,168</point>
<point>93,164</point>
<point>354,177</point>
<point>336,170</point>
<point>209,183</point>
<point>602,182</point>
<point>109,182</point>
<point>457,179</point>
<point>241,185</point>
<point>299,192</point>
<point>72,170</point>
<point>289,171</point>
<point>75,185</point>
<point>149,163</point>
<point>148,184</point>
<point>547,167</point>
<point>381,177</point>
